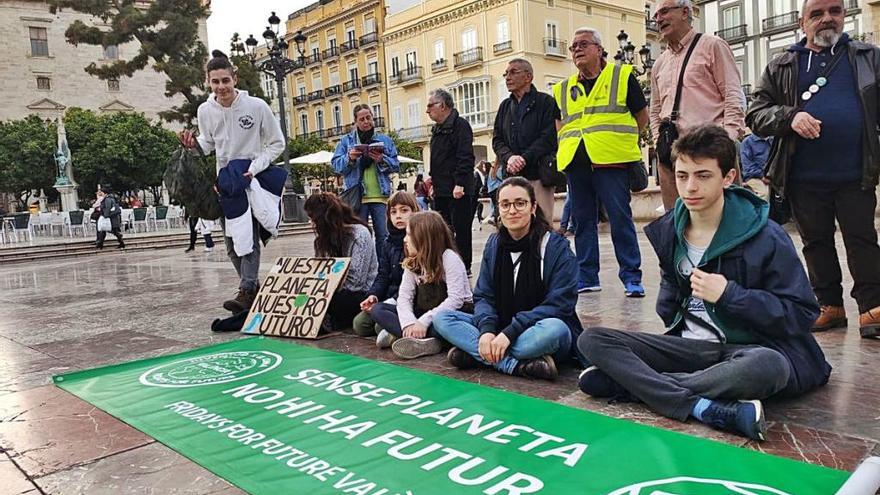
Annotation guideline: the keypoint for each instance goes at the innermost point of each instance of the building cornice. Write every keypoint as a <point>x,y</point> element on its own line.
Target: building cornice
<point>433,21</point>
<point>324,23</point>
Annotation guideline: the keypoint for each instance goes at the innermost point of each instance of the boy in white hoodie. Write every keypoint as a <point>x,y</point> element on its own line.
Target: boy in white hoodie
<point>237,126</point>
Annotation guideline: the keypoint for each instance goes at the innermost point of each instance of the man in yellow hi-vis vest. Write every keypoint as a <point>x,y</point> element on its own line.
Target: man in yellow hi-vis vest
<point>602,111</point>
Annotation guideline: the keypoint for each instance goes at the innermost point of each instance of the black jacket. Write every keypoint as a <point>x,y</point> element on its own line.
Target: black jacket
<point>390,272</point>
<point>110,209</point>
<point>775,102</point>
<point>452,156</point>
<point>533,136</point>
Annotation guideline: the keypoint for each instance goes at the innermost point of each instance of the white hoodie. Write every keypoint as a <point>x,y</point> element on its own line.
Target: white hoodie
<point>246,130</point>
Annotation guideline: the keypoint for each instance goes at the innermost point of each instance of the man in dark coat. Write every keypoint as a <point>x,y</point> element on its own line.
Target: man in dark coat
<point>819,100</point>
<point>452,169</point>
<point>110,208</point>
<point>735,300</point>
<point>524,137</point>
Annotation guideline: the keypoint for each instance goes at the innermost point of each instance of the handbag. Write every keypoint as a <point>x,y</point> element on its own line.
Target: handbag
<point>96,214</point>
<point>638,176</point>
<point>780,209</point>
<point>104,224</point>
<point>667,132</point>
<point>549,175</point>
<point>352,197</point>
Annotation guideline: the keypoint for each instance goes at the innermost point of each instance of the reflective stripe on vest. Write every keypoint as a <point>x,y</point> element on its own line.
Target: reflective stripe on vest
<point>601,119</point>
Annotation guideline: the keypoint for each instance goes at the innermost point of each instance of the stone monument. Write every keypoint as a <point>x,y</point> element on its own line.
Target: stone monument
<point>65,184</point>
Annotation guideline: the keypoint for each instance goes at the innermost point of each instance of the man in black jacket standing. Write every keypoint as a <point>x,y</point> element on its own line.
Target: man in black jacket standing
<point>819,100</point>
<point>452,169</point>
<point>524,138</point>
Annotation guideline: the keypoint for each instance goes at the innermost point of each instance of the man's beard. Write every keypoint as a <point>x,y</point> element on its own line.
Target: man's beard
<point>826,38</point>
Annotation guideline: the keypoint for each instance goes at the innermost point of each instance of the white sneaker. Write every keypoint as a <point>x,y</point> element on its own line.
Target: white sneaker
<point>385,339</point>
<point>209,250</point>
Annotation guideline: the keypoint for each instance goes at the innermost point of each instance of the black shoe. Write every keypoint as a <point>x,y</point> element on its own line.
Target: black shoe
<point>543,368</point>
<point>99,246</point>
<point>461,359</point>
<point>596,383</point>
<point>191,248</point>
<point>744,417</point>
<point>121,246</point>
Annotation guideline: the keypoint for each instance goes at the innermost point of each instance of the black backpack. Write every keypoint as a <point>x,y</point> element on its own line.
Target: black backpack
<point>190,180</point>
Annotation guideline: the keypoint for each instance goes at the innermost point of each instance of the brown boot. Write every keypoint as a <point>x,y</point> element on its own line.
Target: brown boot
<point>869,323</point>
<point>242,302</point>
<point>830,317</point>
<point>543,368</point>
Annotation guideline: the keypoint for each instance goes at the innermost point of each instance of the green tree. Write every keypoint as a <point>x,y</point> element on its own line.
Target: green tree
<point>123,150</point>
<point>167,33</point>
<point>27,161</point>
<point>408,149</point>
<point>304,145</point>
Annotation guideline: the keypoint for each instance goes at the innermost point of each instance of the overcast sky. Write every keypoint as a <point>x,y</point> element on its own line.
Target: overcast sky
<point>245,18</point>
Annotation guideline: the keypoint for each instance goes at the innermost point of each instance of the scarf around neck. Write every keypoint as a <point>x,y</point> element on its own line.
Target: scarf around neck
<point>527,291</point>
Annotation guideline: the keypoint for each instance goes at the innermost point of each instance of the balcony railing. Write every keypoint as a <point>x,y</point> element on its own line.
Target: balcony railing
<point>316,95</point>
<point>371,79</point>
<point>747,89</point>
<point>418,133</point>
<point>348,46</point>
<point>438,65</point>
<point>733,34</point>
<point>313,59</point>
<point>409,75</point>
<point>782,22</point>
<point>336,131</point>
<point>469,57</point>
<point>379,122</point>
<point>300,99</point>
<point>651,25</point>
<point>331,52</point>
<point>555,47</point>
<point>299,63</point>
<point>353,85</point>
<point>851,6</point>
<point>504,46</point>
<point>369,39</point>
<point>334,90</point>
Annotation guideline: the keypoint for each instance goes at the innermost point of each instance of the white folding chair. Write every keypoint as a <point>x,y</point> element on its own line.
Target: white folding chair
<point>161,216</point>
<point>76,220</point>
<point>57,220</point>
<point>21,224</point>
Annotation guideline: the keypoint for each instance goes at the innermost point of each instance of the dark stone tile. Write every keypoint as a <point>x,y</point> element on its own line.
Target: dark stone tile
<point>145,470</point>
<point>815,446</point>
<point>46,429</point>
<point>104,348</point>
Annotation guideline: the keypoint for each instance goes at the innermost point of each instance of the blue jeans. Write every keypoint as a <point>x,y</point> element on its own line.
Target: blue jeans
<point>548,336</point>
<point>423,202</point>
<point>376,211</point>
<point>565,222</point>
<point>611,187</point>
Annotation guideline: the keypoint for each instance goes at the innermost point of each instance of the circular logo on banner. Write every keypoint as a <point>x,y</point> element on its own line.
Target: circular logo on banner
<point>211,369</point>
<point>696,486</point>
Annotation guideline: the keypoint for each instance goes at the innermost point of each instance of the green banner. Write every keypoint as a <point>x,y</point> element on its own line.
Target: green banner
<point>276,417</point>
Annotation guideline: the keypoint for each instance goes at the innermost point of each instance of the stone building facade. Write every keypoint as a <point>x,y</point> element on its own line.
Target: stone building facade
<point>42,74</point>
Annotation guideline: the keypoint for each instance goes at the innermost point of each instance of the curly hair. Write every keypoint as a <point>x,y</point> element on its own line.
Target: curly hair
<point>332,221</point>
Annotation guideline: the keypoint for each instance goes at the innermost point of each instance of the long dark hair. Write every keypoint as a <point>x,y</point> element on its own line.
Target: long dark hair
<point>332,220</point>
<point>538,226</point>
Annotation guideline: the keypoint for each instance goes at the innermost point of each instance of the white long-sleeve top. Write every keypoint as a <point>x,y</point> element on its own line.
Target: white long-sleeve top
<point>458,291</point>
<point>245,130</point>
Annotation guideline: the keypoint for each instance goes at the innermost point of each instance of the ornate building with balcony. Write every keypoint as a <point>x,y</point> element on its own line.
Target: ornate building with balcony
<point>343,66</point>
<point>758,30</point>
<point>464,47</point>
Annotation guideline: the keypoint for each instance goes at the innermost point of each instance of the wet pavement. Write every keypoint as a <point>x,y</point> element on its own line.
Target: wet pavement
<point>67,315</point>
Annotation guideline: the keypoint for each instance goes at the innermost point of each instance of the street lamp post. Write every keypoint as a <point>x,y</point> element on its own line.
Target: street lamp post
<point>278,66</point>
<point>627,54</point>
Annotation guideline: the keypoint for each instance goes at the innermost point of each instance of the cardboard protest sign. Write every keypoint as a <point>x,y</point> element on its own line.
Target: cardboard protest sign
<point>294,297</point>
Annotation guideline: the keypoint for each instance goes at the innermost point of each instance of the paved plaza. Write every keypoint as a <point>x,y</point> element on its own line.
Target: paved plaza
<point>61,316</point>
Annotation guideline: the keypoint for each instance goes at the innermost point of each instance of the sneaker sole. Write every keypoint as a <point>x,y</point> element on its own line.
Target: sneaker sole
<point>635,294</point>
<point>589,289</point>
<point>409,348</point>
<point>842,323</point>
<point>760,422</point>
<point>870,332</point>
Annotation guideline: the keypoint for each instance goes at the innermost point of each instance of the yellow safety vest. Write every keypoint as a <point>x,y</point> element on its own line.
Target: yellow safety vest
<point>601,119</point>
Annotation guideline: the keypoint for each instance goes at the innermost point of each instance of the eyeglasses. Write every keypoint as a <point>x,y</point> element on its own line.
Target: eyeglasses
<point>433,104</point>
<point>518,205</point>
<point>665,10</point>
<point>583,45</point>
<point>512,72</point>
